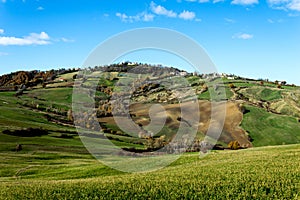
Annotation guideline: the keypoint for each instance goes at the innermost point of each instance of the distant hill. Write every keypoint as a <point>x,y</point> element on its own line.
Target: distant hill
<point>259,112</point>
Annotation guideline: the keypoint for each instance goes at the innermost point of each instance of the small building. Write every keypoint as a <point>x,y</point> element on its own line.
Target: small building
<point>183,73</point>
<point>62,79</point>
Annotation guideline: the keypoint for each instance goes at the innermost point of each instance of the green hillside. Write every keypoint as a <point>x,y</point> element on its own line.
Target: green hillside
<point>54,164</point>
<point>271,110</point>
<point>272,129</point>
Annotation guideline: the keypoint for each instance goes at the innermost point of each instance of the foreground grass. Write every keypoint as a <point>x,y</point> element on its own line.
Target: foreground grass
<point>259,173</point>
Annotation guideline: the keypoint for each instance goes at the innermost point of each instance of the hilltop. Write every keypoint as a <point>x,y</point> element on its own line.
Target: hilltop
<point>258,112</point>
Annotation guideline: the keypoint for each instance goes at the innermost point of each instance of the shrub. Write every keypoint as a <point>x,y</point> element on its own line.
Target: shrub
<point>231,85</point>
<point>19,147</point>
<point>155,143</point>
<point>29,132</point>
<point>234,145</point>
<point>74,76</point>
<point>70,115</point>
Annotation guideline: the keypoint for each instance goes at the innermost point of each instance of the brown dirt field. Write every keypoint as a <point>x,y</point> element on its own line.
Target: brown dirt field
<point>231,129</point>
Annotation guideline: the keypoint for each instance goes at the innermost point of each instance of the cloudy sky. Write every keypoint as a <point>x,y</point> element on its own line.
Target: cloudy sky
<point>253,38</point>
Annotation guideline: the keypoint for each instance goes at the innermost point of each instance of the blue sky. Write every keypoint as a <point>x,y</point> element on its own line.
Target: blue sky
<point>252,38</point>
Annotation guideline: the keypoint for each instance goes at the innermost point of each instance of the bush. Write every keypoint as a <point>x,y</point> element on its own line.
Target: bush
<point>234,145</point>
<point>29,132</point>
<point>231,86</point>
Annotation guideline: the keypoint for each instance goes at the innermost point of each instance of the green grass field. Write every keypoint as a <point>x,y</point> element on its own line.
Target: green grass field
<point>270,129</point>
<point>259,173</point>
<point>262,93</point>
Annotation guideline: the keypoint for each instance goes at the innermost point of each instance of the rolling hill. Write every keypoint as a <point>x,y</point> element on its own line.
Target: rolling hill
<point>258,113</point>
<point>37,112</point>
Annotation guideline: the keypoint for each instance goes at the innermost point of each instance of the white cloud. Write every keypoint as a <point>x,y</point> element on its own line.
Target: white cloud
<point>244,2</point>
<point>1,31</point>
<point>33,39</point>
<point>187,15</point>
<point>271,21</point>
<point>148,17</point>
<point>40,8</point>
<point>123,17</point>
<point>156,10</point>
<point>135,18</point>
<point>3,54</point>
<point>244,36</point>
<point>217,1</point>
<point>160,10</point>
<point>199,1</point>
<point>231,21</point>
<point>294,5</point>
<point>67,40</point>
<point>278,4</point>
<point>285,4</point>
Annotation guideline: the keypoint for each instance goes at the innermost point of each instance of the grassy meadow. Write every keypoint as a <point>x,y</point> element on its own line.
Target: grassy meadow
<point>259,173</point>
<point>58,166</point>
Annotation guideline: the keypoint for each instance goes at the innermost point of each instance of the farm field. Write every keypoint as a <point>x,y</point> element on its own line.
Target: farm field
<point>258,173</point>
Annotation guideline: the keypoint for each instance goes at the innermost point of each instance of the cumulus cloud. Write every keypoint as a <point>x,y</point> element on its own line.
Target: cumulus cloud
<point>187,15</point>
<point>40,8</point>
<point>279,4</point>
<point>294,5</point>
<point>33,39</point>
<point>147,17</point>
<point>160,10</point>
<point>1,31</point>
<point>244,2</point>
<point>135,18</point>
<point>244,36</point>
<point>156,10</point>
<point>285,4</point>
<point>123,16</point>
